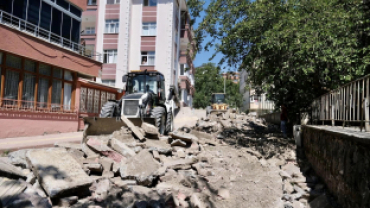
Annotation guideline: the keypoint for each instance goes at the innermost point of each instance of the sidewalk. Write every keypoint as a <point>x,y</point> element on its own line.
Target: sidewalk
<point>9,144</point>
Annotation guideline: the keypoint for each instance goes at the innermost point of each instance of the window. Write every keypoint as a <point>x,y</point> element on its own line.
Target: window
<point>109,82</point>
<point>182,69</point>
<point>28,95</point>
<point>147,58</point>
<point>255,98</point>
<point>111,26</point>
<point>13,61</point>
<point>113,1</point>
<point>89,30</point>
<point>150,2</point>
<point>91,2</point>
<point>136,84</point>
<point>67,96</point>
<point>11,87</point>
<point>110,56</point>
<point>149,28</point>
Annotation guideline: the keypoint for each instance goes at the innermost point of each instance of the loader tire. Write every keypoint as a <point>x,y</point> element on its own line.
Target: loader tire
<point>159,115</point>
<point>110,109</point>
<point>169,122</point>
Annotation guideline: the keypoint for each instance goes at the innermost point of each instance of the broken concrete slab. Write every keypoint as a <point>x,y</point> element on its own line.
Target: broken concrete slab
<point>19,158</point>
<point>178,142</point>
<point>9,188</point>
<point>182,164</point>
<point>141,167</point>
<point>186,137</point>
<point>59,173</point>
<point>121,148</point>
<point>11,171</point>
<point>159,146</point>
<point>139,135</point>
<point>150,130</point>
<point>122,183</point>
<point>89,152</point>
<point>97,145</point>
<point>95,167</point>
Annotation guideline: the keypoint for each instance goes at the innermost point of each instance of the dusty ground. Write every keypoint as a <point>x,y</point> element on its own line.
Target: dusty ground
<point>230,161</point>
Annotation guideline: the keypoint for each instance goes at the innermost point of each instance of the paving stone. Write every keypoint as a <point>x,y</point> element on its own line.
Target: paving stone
<point>58,172</point>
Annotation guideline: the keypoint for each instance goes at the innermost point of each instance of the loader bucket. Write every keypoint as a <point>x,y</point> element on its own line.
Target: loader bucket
<point>101,126</point>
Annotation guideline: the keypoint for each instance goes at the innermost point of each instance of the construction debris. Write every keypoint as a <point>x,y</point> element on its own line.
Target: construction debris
<point>228,160</point>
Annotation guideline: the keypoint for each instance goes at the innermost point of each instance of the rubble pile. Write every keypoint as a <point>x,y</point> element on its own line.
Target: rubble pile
<point>226,160</point>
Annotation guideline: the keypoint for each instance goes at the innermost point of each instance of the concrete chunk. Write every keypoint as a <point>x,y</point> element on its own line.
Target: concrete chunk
<point>178,142</point>
<point>133,128</point>
<point>141,167</point>
<point>59,174</point>
<point>19,158</point>
<point>184,136</point>
<point>11,171</point>
<point>9,189</point>
<point>121,148</point>
<point>182,164</point>
<point>150,129</point>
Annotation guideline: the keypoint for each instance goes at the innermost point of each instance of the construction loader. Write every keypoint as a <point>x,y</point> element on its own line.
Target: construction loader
<point>144,101</point>
<point>218,104</point>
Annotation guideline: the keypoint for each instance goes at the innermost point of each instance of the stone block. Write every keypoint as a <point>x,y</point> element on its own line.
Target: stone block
<point>150,130</point>
<point>178,142</point>
<point>11,171</point>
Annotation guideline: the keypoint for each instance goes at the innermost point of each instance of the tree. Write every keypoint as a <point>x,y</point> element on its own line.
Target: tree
<point>295,49</point>
<point>208,80</point>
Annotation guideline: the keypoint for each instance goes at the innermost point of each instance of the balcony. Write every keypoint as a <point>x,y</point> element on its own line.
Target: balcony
<point>45,35</point>
<point>186,37</point>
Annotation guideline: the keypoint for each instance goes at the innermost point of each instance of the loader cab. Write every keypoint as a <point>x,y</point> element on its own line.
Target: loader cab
<point>218,98</point>
<point>140,82</point>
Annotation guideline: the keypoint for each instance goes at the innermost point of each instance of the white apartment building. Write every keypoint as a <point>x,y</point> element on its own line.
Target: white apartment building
<point>139,35</point>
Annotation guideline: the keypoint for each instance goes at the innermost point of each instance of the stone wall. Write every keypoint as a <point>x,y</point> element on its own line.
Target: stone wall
<point>341,157</point>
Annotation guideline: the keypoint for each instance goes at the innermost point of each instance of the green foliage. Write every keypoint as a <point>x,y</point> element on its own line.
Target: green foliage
<point>295,49</point>
<point>208,80</point>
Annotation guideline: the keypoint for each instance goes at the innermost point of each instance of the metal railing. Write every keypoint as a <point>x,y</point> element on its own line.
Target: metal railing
<point>349,104</point>
<point>37,107</point>
<point>36,31</point>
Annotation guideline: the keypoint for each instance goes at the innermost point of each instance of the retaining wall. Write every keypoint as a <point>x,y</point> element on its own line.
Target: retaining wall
<point>341,157</point>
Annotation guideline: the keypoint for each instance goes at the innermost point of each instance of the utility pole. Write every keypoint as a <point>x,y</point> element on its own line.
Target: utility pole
<point>224,85</point>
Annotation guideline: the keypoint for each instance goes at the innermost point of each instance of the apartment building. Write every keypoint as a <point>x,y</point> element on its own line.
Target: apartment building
<point>233,76</point>
<point>139,35</point>
<point>253,101</point>
<point>47,78</point>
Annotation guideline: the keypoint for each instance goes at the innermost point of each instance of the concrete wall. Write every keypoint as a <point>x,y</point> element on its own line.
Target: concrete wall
<point>342,160</point>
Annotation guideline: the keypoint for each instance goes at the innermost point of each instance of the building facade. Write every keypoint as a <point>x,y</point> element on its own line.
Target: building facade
<point>233,76</point>
<point>47,78</point>
<point>139,35</point>
<point>252,101</point>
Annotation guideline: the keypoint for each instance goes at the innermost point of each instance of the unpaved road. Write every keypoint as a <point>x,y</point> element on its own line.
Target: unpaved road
<point>188,117</point>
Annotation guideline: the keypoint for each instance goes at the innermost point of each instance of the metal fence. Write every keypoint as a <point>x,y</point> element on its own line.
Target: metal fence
<point>34,30</point>
<point>348,104</point>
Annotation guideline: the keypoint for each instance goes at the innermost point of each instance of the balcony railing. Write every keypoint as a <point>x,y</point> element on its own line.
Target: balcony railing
<point>31,29</point>
<point>36,107</point>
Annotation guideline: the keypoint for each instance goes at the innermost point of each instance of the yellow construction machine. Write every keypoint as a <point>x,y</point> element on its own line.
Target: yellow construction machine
<point>218,104</point>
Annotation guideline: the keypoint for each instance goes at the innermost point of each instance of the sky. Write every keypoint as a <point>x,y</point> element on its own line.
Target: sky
<point>204,56</point>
